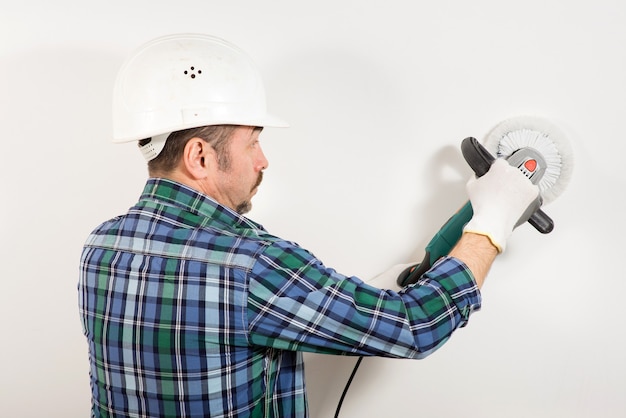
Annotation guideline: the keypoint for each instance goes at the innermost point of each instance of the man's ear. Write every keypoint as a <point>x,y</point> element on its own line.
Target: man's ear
<point>198,157</point>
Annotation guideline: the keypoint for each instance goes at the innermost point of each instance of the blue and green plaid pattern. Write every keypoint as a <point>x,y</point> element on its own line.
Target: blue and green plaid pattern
<point>191,310</point>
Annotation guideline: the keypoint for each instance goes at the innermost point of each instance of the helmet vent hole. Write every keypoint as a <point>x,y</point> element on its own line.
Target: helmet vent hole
<point>193,72</point>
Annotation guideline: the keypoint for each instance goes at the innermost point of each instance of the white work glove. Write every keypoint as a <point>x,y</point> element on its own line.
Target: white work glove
<point>501,199</point>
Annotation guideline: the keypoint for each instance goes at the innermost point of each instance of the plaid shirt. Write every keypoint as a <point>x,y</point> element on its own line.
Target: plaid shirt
<point>191,310</point>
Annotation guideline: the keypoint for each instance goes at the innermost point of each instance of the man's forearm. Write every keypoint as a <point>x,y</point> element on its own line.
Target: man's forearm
<point>477,252</point>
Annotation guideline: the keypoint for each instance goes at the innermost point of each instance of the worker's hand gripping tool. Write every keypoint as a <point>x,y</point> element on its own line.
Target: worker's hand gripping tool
<point>479,159</point>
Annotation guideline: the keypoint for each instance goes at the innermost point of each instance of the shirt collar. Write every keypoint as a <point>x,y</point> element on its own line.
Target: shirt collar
<point>186,198</point>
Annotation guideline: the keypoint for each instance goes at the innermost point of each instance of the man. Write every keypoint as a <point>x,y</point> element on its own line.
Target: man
<point>191,309</point>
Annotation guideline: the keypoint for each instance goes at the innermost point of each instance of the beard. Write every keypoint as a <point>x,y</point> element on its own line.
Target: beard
<point>245,206</point>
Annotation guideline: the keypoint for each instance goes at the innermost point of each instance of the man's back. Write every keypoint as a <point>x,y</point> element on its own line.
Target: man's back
<point>163,302</point>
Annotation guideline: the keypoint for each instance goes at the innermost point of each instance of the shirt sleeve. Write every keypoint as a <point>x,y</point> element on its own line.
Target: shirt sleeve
<point>296,303</point>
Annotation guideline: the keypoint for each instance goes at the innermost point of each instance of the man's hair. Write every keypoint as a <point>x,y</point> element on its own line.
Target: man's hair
<point>217,136</point>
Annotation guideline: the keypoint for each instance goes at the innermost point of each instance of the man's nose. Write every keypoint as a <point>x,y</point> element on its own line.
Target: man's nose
<point>263,162</point>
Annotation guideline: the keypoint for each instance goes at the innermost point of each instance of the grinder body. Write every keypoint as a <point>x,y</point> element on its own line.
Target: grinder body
<point>479,159</point>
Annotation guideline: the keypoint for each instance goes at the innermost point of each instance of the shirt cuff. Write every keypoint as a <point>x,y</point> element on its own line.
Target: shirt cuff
<point>458,281</point>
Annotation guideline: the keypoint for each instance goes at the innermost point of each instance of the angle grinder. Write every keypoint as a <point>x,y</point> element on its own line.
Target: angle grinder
<point>533,145</point>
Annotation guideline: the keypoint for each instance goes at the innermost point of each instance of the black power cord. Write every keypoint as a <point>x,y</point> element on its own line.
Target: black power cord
<point>345,390</point>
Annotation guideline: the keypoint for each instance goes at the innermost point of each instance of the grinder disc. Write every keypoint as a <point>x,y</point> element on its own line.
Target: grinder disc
<point>531,136</point>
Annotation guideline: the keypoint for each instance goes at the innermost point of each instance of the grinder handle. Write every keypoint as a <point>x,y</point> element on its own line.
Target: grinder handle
<point>439,246</point>
<point>480,160</point>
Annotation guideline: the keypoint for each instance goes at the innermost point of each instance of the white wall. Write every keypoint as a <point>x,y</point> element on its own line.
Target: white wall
<point>379,96</point>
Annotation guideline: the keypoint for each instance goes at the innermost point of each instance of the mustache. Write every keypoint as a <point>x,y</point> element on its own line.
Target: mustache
<point>258,180</point>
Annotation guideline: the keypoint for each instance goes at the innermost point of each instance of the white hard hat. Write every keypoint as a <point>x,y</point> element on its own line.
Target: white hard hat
<point>186,81</point>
